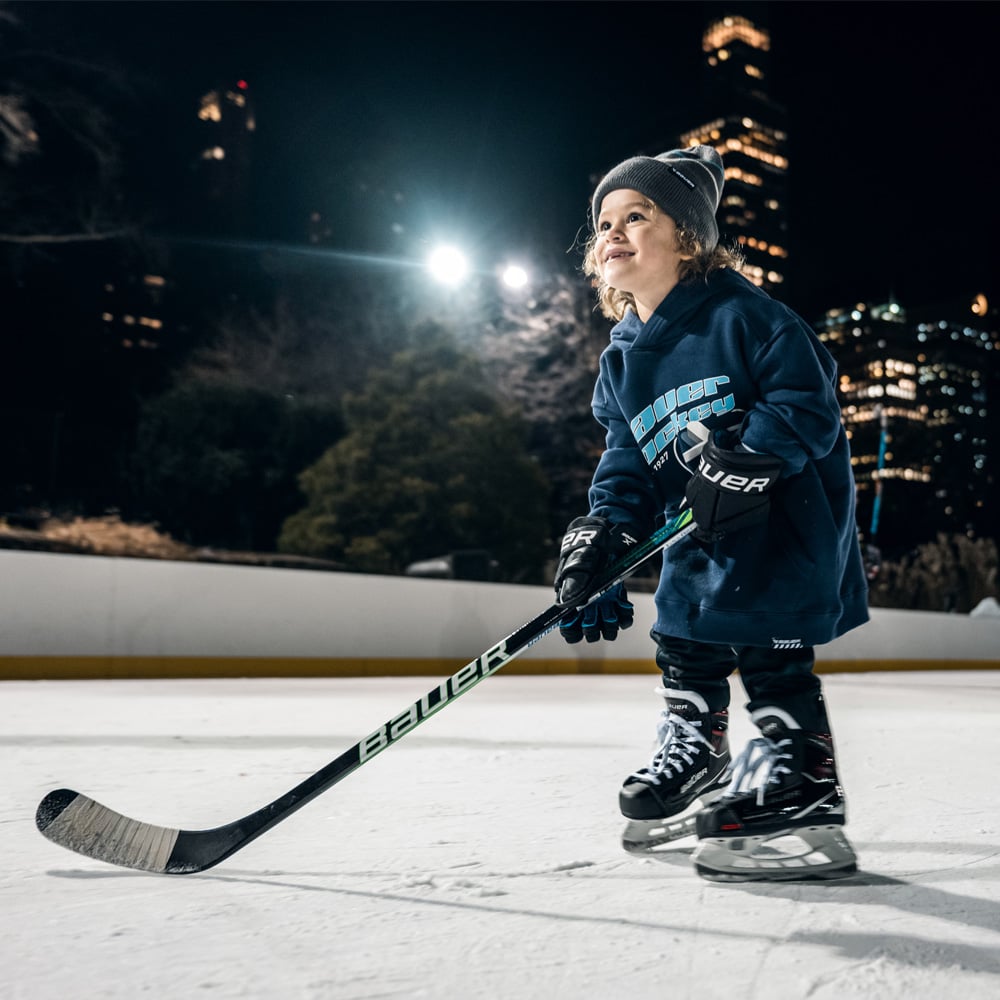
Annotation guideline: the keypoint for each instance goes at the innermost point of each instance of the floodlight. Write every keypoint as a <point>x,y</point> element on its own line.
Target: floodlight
<point>448,265</point>
<point>514,276</point>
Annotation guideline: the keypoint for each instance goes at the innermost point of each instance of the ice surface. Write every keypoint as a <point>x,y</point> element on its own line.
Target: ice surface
<point>479,857</point>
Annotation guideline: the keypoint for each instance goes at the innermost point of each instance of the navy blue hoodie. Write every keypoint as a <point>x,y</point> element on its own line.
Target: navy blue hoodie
<point>719,353</point>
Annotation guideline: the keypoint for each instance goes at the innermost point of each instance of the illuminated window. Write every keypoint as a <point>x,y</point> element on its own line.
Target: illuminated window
<point>210,110</point>
<point>735,29</point>
<point>744,176</point>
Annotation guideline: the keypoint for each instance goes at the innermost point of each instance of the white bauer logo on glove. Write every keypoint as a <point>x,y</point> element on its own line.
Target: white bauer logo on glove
<point>732,482</point>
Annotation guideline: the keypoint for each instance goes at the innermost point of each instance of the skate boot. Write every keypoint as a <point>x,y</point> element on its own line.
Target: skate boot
<point>688,770</point>
<point>782,816</point>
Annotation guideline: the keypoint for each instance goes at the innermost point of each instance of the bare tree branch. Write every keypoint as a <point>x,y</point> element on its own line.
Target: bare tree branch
<point>39,238</point>
<point>17,129</point>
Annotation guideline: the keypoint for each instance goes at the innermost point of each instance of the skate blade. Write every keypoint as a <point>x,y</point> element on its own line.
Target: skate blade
<point>815,852</point>
<point>646,836</point>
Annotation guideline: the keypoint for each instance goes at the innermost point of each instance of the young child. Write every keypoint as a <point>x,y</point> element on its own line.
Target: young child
<point>716,397</point>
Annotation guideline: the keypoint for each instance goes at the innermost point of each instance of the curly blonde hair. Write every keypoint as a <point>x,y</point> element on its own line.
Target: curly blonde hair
<point>614,303</point>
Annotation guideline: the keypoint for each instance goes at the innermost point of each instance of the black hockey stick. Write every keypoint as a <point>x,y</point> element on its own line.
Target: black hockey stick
<point>80,824</point>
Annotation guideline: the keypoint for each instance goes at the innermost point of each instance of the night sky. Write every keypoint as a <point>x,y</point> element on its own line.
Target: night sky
<point>491,118</point>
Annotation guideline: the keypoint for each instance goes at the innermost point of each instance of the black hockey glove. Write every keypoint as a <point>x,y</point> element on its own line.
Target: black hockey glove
<point>589,547</point>
<point>600,620</point>
<point>730,490</point>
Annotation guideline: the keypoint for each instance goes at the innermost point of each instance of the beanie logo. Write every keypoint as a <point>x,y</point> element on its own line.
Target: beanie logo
<point>690,183</point>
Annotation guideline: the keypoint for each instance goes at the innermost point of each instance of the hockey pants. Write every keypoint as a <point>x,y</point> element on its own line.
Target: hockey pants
<point>780,678</point>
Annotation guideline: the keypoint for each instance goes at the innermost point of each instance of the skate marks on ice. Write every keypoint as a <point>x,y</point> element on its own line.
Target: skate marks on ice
<point>896,964</point>
<point>899,966</point>
<point>268,741</point>
<point>914,959</point>
<point>427,891</point>
<point>379,896</point>
<point>440,890</point>
<point>872,962</point>
<point>905,890</point>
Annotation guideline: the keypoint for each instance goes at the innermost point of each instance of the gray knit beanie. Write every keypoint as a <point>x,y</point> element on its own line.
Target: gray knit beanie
<point>685,183</point>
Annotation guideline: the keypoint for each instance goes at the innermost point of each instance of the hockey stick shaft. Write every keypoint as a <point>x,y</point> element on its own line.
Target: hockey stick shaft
<point>81,824</point>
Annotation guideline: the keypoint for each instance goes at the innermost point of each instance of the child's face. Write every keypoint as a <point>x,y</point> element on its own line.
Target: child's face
<point>636,249</point>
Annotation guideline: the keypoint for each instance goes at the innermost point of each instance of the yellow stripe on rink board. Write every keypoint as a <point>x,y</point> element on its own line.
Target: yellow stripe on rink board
<point>165,667</point>
<point>151,667</point>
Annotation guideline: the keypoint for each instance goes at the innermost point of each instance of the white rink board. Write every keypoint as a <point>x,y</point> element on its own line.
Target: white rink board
<point>57,605</point>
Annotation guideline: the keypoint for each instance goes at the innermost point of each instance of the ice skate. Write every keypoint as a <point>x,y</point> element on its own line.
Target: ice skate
<point>687,772</point>
<point>782,816</point>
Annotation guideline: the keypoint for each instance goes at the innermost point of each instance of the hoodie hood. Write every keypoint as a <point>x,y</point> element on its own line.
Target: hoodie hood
<point>673,316</point>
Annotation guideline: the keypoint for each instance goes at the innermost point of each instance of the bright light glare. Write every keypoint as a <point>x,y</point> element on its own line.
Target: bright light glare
<point>448,265</point>
<point>514,276</point>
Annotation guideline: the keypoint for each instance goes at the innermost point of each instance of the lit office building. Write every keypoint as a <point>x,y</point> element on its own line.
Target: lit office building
<point>916,387</point>
<point>132,312</point>
<point>748,129</point>
<point>222,170</point>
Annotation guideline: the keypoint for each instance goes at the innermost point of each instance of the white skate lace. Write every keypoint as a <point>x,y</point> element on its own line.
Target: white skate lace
<point>677,743</point>
<point>758,766</point>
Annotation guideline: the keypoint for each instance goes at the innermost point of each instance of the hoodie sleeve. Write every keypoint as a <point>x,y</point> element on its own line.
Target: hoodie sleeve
<point>622,488</point>
<point>797,416</point>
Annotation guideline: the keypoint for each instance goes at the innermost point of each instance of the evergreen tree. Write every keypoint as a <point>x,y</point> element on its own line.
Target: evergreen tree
<point>216,464</point>
<point>431,464</point>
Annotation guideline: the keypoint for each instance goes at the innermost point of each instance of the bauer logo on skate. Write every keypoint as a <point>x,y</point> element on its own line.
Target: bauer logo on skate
<point>482,666</point>
<point>693,780</point>
<point>786,643</point>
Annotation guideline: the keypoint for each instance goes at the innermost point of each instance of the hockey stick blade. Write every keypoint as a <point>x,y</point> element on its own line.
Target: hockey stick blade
<point>80,824</point>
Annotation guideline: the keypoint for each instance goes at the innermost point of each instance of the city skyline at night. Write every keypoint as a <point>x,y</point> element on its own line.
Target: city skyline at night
<point>490,120</point>
<point>368,132</point>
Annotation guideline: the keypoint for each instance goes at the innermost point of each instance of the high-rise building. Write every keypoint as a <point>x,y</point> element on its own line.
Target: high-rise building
<point>916,388</point>
<point>212,264</point>
<point>748,128</point>
<point>160,301</point>
<point>132,311</point>
<point>221,188</point>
